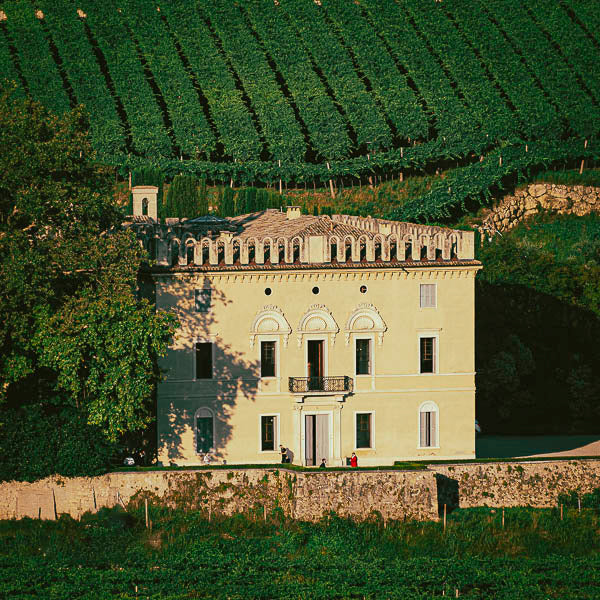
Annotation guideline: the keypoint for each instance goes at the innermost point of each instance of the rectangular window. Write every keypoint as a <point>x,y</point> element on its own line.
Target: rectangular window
<point>363,357</point>
<point>204,360</point>
<point>363,430</point>
<point>267,359</point>
<point>268,433</point>
<point>202,300</point>
<point>428,295</point>
<point>427,354</point>
<point>427,430</point>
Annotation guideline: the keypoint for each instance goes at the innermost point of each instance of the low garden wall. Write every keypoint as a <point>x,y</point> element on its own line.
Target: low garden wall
<point>518,483</point>
<point>303,495</point>
<point>309,495</point>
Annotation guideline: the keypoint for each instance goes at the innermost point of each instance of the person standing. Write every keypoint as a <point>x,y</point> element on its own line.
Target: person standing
<point>354,460</point>
<point>283,451</point>
<point>323,464</point>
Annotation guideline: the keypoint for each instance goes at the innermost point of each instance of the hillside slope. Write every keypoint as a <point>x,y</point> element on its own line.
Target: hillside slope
<point>256,90</point>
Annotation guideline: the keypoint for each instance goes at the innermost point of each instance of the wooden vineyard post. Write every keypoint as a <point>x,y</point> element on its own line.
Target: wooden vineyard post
<point>129,180</point>
<point>280,188</point>
<point>146,510</point>
<point>370,176</point>
<point>579,503</point>
<point>265,512</point>
<point>503,517</point>
<point>561,512</point>
<point>444,517</point>
<point>581,166</point>
<point>330,183</point>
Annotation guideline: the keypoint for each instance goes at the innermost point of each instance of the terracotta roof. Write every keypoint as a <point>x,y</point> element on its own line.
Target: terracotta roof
<point>393,264</point>
<point>274,223</point>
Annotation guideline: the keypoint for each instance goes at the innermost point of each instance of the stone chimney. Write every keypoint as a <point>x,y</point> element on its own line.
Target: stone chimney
<point>293,212</point>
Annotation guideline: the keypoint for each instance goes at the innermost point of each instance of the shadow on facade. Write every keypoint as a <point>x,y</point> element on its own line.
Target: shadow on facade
<point>182,395</point>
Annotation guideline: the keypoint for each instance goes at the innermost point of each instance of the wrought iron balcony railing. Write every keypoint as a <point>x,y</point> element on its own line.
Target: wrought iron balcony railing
<point>300,385</point>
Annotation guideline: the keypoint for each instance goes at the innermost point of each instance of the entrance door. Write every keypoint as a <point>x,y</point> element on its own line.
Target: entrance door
<point>317,439</point>
<point>315,365</point>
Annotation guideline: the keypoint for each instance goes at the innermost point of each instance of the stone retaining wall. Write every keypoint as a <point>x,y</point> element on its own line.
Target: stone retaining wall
<point>536,197</point>
<point>307,496</point>
<point>514,484</point>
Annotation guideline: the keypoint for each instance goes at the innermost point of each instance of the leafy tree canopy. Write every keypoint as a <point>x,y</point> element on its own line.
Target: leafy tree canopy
<point>74,334</point>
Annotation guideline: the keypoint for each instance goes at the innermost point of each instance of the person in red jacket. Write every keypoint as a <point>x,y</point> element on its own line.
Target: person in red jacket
<point>354,460</point>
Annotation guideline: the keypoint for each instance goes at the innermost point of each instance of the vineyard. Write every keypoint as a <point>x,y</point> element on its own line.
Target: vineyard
<point>255,91</point>
<point>523,554</point>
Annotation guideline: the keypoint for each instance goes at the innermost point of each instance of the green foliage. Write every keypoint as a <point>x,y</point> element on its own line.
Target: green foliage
<point>228,208</point>
<point>182,197</point>
<point>202,198</point>
<point>335,89</point>
<point>538,322</point>
<point>76,342</point>
<point>536,555</point>
<point>41,439</point>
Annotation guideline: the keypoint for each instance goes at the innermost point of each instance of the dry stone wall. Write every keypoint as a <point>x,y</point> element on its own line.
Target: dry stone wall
<point>537,197</point>
<point>516,483</point>
<point>307,496</point>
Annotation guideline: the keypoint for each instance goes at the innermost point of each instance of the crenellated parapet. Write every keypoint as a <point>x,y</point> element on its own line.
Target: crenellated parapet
<point>339,240</point>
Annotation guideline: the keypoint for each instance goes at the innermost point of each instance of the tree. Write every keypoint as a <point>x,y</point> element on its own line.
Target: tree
<point>182,197</point>
<point>228,203</point>
<point>202,202</point>
<point>76,340</point>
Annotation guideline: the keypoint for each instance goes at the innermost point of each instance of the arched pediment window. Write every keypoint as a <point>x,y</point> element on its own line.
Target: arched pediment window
<point>365,319</point>
<point>204,430</point>
<point>318,320</point>
<point>270,320</point>
<point>428,425</point>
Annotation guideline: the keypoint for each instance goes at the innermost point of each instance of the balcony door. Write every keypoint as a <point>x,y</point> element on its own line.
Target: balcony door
<point>316,364</point>
<point>317,439</point>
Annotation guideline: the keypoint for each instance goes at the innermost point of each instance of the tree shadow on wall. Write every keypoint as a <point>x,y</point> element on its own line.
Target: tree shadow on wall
<point>181,395</point>
<point>447,493</point>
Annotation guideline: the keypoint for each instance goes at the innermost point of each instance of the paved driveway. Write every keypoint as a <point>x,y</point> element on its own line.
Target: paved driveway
<point>507,446</point>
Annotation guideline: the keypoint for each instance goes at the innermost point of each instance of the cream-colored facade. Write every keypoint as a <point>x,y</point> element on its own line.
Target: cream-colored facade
<point>281,343</point>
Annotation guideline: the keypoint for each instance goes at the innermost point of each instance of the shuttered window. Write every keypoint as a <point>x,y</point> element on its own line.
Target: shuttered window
<point>205,427</point>
<point>267,359</point>
<point>202,300</point>
<point>204,360</point>
<point>428,295</point>
<point>363,357</point>
<point>363,430</point>
<point>427,354</point>
<point>268,432</point>
<point>427,430</point>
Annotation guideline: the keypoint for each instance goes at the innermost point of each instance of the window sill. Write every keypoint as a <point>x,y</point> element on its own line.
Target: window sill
<point>428,447</point>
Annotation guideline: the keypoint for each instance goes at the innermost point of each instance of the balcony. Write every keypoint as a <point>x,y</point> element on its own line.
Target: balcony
<point>321,385</point>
